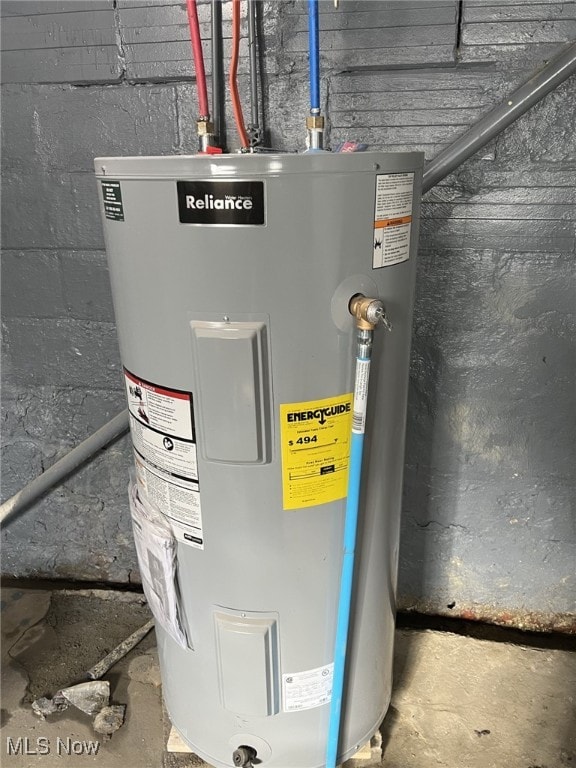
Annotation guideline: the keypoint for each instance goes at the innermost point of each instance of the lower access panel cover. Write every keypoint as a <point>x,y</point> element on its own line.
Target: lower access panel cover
<point>248,662</point>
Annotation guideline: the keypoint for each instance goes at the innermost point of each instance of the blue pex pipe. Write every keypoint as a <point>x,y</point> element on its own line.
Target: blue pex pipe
<point>314,53</point>
<point>345,599</point>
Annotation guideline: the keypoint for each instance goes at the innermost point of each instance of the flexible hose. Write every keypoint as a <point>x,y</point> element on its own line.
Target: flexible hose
<point>349,546</point>
<point>236,105</point>
<point>198,55</point>
<point>314,53</point>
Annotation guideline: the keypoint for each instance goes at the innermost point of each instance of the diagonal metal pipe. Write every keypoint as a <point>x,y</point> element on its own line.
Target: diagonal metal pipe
<point>540,84</point>
<point>64,466</point>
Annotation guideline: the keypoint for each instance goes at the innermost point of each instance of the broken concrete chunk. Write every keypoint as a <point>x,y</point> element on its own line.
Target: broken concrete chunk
<point>110,719</point>
<point>88,697</point>
<point>45,706</point>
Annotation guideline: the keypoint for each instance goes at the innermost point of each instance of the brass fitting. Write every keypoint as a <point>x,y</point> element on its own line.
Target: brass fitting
<point>315,123</point>
<point>206,137</point>
<point>315,130</point>
<point>368,312</point>
<point>204,127</point>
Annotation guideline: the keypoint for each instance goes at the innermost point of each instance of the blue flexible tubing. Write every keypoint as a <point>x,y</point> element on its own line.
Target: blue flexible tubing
<point>345,598</point>
<point>314,46</point>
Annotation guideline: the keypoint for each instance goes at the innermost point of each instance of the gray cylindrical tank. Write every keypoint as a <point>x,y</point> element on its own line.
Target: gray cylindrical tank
<point>231,277</point>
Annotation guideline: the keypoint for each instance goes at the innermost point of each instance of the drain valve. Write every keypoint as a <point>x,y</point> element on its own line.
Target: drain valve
<point>244,757</point>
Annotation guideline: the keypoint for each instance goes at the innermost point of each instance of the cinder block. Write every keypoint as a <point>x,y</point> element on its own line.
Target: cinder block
<point>518,31</point>
<point>375,15</point>
<point>40,124</point>
<point>476,11</point>
<point>172,59</point>
<point>31,285</point>
<point>59,44</point>
<point>50,210</point>
<point>64,353</point>
<point>87,292</point>
<point>529,56</point>
<point>34,7</point>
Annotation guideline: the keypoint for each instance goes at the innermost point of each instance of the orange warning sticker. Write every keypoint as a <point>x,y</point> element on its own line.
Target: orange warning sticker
<point>392,222</point>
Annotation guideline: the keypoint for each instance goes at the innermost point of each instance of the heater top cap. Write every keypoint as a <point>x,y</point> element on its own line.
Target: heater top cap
<point>209,166</point>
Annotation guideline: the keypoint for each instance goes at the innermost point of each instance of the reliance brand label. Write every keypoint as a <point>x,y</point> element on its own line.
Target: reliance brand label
<point>221,202</point>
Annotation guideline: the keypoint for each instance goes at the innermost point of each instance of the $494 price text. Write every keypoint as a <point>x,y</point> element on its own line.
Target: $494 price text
<point>304,440</point>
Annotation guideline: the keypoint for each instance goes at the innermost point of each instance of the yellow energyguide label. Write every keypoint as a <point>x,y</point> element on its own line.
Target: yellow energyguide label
<point>315,439</point>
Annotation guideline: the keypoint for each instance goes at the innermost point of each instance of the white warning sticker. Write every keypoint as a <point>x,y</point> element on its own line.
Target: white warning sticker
<point>392,218</point>
<point>360,396</point>
<point>306,690</point>
<point>167,453</point>
<point>162,428</point>
<point>178,499</point>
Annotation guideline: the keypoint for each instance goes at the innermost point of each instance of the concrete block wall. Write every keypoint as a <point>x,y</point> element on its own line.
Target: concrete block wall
<point>487,526</point>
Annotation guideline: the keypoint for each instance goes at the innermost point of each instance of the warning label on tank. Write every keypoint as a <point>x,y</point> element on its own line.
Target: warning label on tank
<point>176,498</point>
<point>315,439</point>
<point>162,428</point>
<point>306,690</point>
<point>392,219</point>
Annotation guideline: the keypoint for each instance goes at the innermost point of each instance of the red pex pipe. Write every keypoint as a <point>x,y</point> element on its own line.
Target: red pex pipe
<point>236,105</point>
<point>198,58</point>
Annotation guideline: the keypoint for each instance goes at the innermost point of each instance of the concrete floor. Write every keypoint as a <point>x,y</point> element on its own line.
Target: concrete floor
<point>458,702</point>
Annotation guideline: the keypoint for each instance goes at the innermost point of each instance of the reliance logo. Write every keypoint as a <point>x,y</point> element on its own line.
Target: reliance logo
<point>218,203</point>
<point>227,203</point>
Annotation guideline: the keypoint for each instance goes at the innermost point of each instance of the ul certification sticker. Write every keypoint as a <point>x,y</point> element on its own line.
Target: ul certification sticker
<point>306,690</point>
<point>392,219</point>
<point>162,429</point>
<point>315,440</point>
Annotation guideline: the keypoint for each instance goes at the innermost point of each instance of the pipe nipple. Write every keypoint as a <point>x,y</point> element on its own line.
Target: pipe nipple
<point>315,130</point>
<point>207,142</point>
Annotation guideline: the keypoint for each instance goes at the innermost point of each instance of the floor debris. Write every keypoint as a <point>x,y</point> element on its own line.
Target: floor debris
<point>45,706</point>
<point>88,697</point>
<point>110,719</point>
